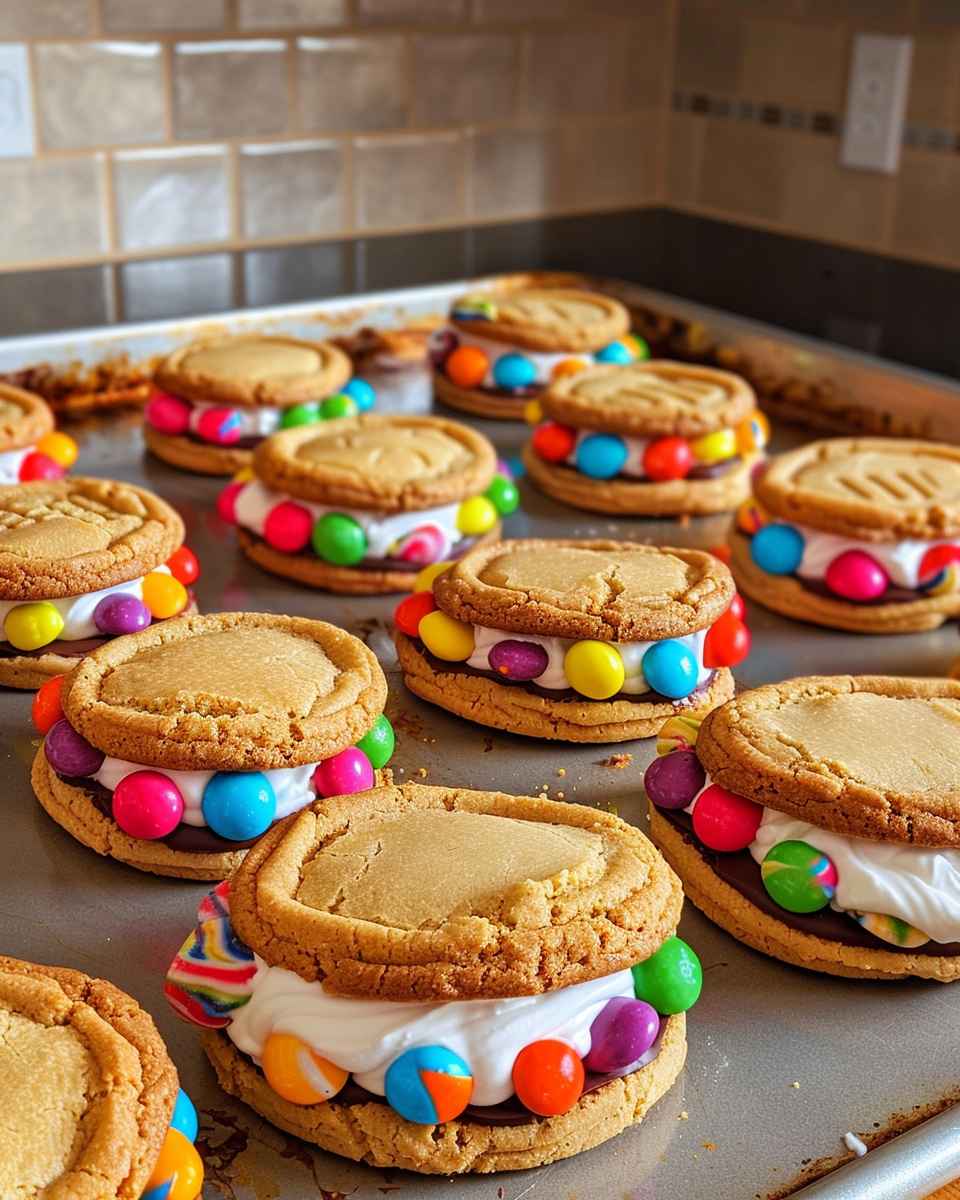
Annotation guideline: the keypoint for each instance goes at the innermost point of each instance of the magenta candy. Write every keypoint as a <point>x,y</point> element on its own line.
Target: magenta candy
<point>227,502</point>
<point>121,613</point>
<point>220,426</point>
<point>424,546</point>
<point>623,1031</point>
<point>349,771</point>
<point>168,415</point>
<point>518,660</point>
<point>147,804</point>
<point>725,821</point>
<point>288,527</point>
<point>70,754</point>
<point>854,575</point>
<point>672,780</point>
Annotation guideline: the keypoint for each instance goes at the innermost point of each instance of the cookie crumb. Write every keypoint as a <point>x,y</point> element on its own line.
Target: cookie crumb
<point>709,1145</point>
<point>559,795</point>
<point>499,1193</point>
<point>560,771</point>
<point>684,1116</point>
<point>795,1086</point>
<point>422,772</point>
<point>620,761</point>
<point>852,1142</point>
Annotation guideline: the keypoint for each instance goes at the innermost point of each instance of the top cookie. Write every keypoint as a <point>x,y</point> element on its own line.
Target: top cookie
<point>546,319</point>
<point>612,591</point>
<point>232,691</point>
<point>425,893</point>
<point>386,463</point>
<point>650,399</point>
<point>24,418</point>
<point>65,537</point>
<point>250,371</point>
<point>874,489</point>
<point>866,756</point>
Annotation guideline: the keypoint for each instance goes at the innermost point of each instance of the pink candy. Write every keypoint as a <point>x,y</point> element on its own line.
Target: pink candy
<point>227,502</point>
<point>854,575</point>
<point>147,805</point>
<point>220,426</point>
<point>167,414</point>
<point>725,821</point>
<point>349,771</point>
<point>288,527</point>
<point>424,546</point>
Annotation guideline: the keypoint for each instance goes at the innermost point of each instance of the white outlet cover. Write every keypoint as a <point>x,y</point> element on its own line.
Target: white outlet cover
<point>876,102</point>
<point>16,102</point>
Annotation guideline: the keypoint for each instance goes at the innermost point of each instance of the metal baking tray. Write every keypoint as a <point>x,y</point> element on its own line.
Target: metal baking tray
<point>782,1063</point>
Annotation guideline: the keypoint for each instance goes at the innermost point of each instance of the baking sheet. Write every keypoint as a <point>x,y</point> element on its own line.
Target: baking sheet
<point>782,1063</point>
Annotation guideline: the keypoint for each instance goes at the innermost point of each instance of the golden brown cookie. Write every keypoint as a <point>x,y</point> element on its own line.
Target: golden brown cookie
<point>89,1089</point>
<point>233,712</point>
<point>24,417</point>
<point>544,319</point>
<point>587,613</point>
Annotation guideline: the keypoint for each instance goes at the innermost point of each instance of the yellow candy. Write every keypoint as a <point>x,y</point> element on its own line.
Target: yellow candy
<point>532,412</point>
<point>753,433</point>
<point>164,595</point>
<point>677,733</point>
<point>244,475</point>
<point>447,638</point>
<point>751,515</point>
<point>476,516</point>
<point>569,366</point>
<point>179,1162</point>
<point>60,447</point>
<point>424,581</point>
<point>297,1073</point>
<point>594,669</point>
<point>30,626</point>
<point>715,447</point>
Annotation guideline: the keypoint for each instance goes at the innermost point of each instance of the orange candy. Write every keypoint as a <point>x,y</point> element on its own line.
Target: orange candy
<point>46,710</point>
<point>297,1073</point>
<point>548,1077</point>
<point>568,366</point>
<point>466,366</point>
<point>179,1162</point>
<point>60,447</point>
<point>164,595</point>
<point>411,611</point>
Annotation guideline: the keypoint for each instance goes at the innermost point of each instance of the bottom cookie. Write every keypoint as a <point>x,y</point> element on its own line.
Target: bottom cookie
<point>479,402</point>
<point>374,1133</point>
<point>732,911</point>
<point>190,454</point>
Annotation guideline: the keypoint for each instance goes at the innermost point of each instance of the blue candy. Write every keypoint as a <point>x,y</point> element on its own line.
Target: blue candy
<point>601,455</point>
<point>360,392</point>
<point>616,352</point>
<point>777,549</point>
<point>239,805</point>
<point>670,669</point>
<point>415,1087</point>
<point>514,371</point>
<point>185,1117</point>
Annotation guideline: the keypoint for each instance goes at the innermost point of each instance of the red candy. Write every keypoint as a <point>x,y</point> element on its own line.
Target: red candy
<point>722,551</point>
<point>184,566</point>
<point>553,441</point>
<point>411,611</point>
<point>727,642</point>
<point>668,458</point>
<point>737,607</point>
<point>227,502</point>
<point>935,559</point>
<point>40,466</point>
<point>548,1077</point>
<point>168,414</point>
<point>46,709</point>
<point>724,821</point>
<point>288,527</point>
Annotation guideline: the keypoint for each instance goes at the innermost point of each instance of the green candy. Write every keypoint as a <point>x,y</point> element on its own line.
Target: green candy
<point>339,539</point>
<point>300,414</point>
<point>378,744</point>
<point>798,876</point>
<point>503,495</point>
<point>338,406</point>
<point>642,348</point>
<point>670,980</point>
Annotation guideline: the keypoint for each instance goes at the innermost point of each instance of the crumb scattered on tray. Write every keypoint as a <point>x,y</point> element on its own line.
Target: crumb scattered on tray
<point>561,772</point>
<point>620,761</point>
<point>422,772</point>
<point>684,1116</point>
<point>559,795</point>
<point>795,1085</point>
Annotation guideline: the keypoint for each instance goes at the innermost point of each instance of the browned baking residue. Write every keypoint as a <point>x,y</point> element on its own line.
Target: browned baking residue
<point>620,761</point>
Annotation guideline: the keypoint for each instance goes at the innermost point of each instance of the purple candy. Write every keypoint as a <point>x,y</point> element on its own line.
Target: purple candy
<point>518,660</point>
<point>442,345</point>
<point>69,753</point>
<point>121,613</point>
<point>622,1032</point>
<point>673,780</point>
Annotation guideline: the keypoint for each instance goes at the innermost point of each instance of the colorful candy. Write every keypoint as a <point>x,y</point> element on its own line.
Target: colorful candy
<point>725,821</point>
<point>298,1073</point>
<point>178,1174</point>
<point>339,539</point>
<point>121,613</point>
<point>411,610</point>
<point>514,371</point>
<point>168,414</point>
<point>32,625</point>
<point>671,669</point>
<point>46,709</point>
<point>343,773</point>
<point>239,805</point>
<point>185,1117</point>
<point>300,414</point>
<point>939,572</point>
<point>553,442</point>
<point>753,433</point>
<point>518,660</point>
<point>667,458</point>
<point>428,1085</point>
<point>39,466</point>
<point>777,549</point>
<point>227,501</point>
<point>727,642</point>
<point>567,366</point>
<point>533,412</point>
<point>70,754</point>
<point>601,455</point>
<point>446,637</point>
<point>737,607</point>
<point>751,516</point>
<point>340,405</point>
<point>594,669</point>
<point>856,576</point>
<point>476,516</point>
<point>548,1077</point>
<point>60,447</point>
<point>891,929</point>
<point>622,1032</point>
<point>378,745</point>
<point>164,595</point>
<point>798,876</point>
<point>466,366</point>
<point>670,980</point>
<point>147,804</point>
<point>475,308</point>
<point>504,495</point>
<point>440,345</point>
<point>221,426</point>
<point>212,975</point>
<point>617,352</point>
<point>678,733</point>
<point>425,578</point>
<point>673,780</point>
<point>183,565</point>
<point>422,546</point>
<point>360,392</point>
<point>288,527</point>
<point>715,447</point>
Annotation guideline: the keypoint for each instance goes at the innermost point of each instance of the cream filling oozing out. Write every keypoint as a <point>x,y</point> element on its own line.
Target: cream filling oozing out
<point>10,463</point>
<point>543,363</point>
<point>258,421</point>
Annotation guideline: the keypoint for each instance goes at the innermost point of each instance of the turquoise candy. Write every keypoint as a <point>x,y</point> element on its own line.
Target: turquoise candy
<point>670,980</point>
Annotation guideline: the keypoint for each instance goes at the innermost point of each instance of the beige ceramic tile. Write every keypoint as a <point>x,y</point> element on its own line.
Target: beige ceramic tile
<point>352,83</point>
<point>99,93</point>
<point>37,225</point>
<point>934,78</point>
<point>290,189</point>
<point>683,154</point>
<point>822,199</point>
<point>411,12</point>
<point>567,72</point>
<point>708,48</point>
<point>927,217</point>
<point>290,14</point>
<point>230,89</point>
<point>643,54</point>
<point>740,172</point>
<point>408,180</point>
<point>610,162</point>
<point>171,197</point>
<point>133,16</point>
<point>460,78</point>
<point>790,63</point>
<point>45,18</point>
<point>514,171</point>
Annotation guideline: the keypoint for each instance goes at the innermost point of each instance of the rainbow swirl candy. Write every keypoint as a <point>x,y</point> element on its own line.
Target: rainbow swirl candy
<point>890,929</point>
<point>944,582</point>
<point>678,733</point>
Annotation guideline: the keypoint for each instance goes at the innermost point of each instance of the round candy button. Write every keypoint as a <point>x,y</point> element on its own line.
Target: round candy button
<point>856,576</point>
<point>300,414</point>
<point>601,455</point>
<point>476,516</point>
<point>715,447</point>
<point>466,366</point>
<point>548,1077</point>
<point>672,780</point>
<point>428,1085</point>
<point>60,447</point>
<point>183,565</point>
<point>777,549</point>
<point>378,744</point>
<point>553,442</point>
<point>727,642</point>
<point>185,1117</point>
<point>423,546</point>
<point>670,669</point>
<point>239,805</point>
<point>339,539</point>
<point>504,495</point>
<point>147,804</point>
<point>164,595</point>
<point>622,1032</point>
<point>70,754</point>
<point>46,709</point>
<point>343,773</point>
<point>121,613</point>
<point>446,637</point>
<point>178,1174</point>
<point>168,414</point>
<point>798,876</point>
<point>288,527</point>
<point>411,610</point>
<point>514,371</point>
<point>340,405</point>
<point>361,392</point>
<point>670,980</point>
<point>40,466</point>
<point>227,501</point>
<point>667,458</point>
<point>753,433</point>
<point>594,669</point>
<point>518,660</point>
<point>221,426</point>
<point>32,625</point>
<point>617,352</point>
<point>725,821</point>
<point>298,1073</point>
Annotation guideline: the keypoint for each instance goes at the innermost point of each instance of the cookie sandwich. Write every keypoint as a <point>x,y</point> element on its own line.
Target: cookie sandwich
<point>174,749</point>
<point>583,641</point>
<point>653,438</point>
<point>362,504</point>
<point>214,400</point>
<point>30,446</point>
<point>860,534</point>
<point>818,820</point>
<point>91,1104</point>
<point>451,1020</point>
<point>501,349</point>
<point>81,561</point>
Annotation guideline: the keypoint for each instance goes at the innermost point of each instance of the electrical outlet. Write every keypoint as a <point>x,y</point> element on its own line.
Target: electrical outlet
<point>16,102</point>
<point>876,102</point>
